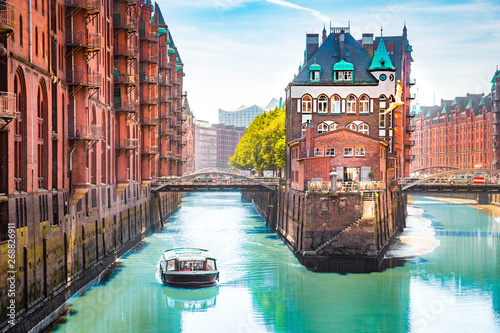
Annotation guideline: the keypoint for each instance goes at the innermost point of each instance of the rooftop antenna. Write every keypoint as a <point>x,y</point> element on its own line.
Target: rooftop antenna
<point>381,31</point>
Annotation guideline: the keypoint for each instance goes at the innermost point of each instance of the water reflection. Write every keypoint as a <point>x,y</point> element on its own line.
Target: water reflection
<point>191,299</point>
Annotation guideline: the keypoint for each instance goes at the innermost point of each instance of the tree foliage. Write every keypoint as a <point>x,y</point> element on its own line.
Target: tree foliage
<point>263,146</point>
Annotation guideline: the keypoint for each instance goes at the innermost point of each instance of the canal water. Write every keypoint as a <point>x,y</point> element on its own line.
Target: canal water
<point>452,284</point>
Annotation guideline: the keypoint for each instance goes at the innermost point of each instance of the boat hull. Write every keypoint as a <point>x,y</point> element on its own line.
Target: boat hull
<point>191,278</point>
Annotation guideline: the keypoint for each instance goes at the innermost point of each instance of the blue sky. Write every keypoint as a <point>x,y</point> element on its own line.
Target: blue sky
<point>246,51</point>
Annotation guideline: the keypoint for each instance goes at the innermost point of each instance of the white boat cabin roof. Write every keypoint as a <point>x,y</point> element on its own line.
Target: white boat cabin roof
<point>184,254</point>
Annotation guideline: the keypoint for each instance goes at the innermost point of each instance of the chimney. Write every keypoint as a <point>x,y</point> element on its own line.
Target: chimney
<point>309,139</point>
<point>312,43</point>
<point>323,37</point>
<point>367,42</point>
<point>342,44</point>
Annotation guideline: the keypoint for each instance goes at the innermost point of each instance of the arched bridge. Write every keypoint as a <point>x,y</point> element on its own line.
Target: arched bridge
<point>215,180</point>
<point>425,172</point>
<point>458,180</point>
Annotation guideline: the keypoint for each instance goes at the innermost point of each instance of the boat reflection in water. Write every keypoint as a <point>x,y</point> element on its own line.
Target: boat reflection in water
<point>195,300</point>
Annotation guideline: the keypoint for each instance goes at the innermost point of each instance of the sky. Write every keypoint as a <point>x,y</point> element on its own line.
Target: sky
<point>245,52</point>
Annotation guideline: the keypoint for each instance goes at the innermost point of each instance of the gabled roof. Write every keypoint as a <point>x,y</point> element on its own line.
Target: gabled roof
<point>329,53</point>
<point>381,60</point>
<point>159,16</point>
<point>187,109</point>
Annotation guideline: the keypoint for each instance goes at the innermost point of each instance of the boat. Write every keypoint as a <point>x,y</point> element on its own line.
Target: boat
<point>188,267</point>
<point>191,299</point>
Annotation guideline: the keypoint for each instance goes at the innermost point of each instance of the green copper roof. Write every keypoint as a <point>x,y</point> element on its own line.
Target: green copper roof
<point>428,115</point>
<point>444,109</point>
<point>409,48</point>
<point>176,59</point>
<point>419,111</point>
<point>170,51</point>
<point>414,109</point>
<point>482,102</point>
<point>469,105</point>
<point>183,74</point>
<point>315,66</point>
<point>168,41</point>
<point>494,79</point>
<point>178,68</point>
<point>162,31</point>
<point>381,60</point>
<point>454,102</point>
<point>343,65</point>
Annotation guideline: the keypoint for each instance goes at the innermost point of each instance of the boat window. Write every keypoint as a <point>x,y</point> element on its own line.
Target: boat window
<point>171,265</point>
<point>210,265</point>
<point>191,265</point>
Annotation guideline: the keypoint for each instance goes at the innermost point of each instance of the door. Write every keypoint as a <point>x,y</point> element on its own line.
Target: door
<point>364,174</point>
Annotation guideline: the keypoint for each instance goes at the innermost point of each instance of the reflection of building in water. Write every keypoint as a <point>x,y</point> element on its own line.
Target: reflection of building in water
<point>191,299</point>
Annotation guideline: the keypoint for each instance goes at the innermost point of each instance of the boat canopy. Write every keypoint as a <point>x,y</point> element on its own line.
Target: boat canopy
<point>184,254</point>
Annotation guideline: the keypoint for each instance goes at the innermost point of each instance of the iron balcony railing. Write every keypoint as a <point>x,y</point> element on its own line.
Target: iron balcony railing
<point>7,105</point>
<point>126,50</point>
<point>165,115</point>
<point>147,56</point>
<point>84,39</point>
<point>147,78</point>
<point>124,22</point>
<point>85,132</point>
<point>129,79</point>
<point>83,78</point>
<point>150,150</point>
<point>149,36</point>
<point>410,114</point>
<point>410,128</point>
<point>7,17</point>
<point>409,143</point>
<point>178,156</point>
<point>125,106</point>
<point>177,80</point>
<point>130,144</point>
<point>320,186</point>
<point>149,100</point>
<point>93,5</point>
<point>177,137</point>
<point>412,81</point>
<point>149,120</point>
<point>168,132</point>
<point>168,154</point>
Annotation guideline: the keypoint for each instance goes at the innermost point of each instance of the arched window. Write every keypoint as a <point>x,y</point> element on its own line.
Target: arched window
<point>43,137</point>
<point>363,104</point>
<point>352,127</point>
<point>322,104</point>
<point>20,144</point>
<point>382,102</point>
<point>351,104</point>
<point>323,128</point>
<point>103,148</point>
<point>364,128</point>
<point>335,102</point>
<point>333,126</point>
<point>306,104</point>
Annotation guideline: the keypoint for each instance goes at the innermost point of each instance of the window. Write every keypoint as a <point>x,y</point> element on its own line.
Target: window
<point>323,128</point>
<point>36,40</point>
<point>333,126</point>
<point>352,127</point>
<point>348,151</point>
<point>330,152</point>
<point>304,129</point>
<point>381,119</point>
<point>318,151</point>
<point>364,128</point>
<point>351,104</point>
<point>322,104</point>
<point>335,104</point>
<point>344,76</point>
<point>382,102</point>
<point>363,104</point>
<point>360,151</point>
<point>306,104</point>
<point>315,76</point>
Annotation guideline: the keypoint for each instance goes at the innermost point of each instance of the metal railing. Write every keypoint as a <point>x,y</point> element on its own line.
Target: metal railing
<point>148,56</point>
<point>148,100</point>
<point>7,17</point>
<point>125,22</point>
<point>83,78</point>
<point>168,154</point>
<point>86,132</point>
<point>87,4</point>
<point>177,80</point>
<point>83,39</point>
<point>150,36</point>
<point>168,132</point>
<point>178,156</point>
<point>125,78</point>
<point>7,105</point>
<point>165,115</point>
<point>409,142</point>
<point>412,81</point>
<point>152,150</point>
<point>320,186</point>
<point>143,77</point>
<point>126,50</point>
<point>126,106</point>
<point>149,120</point>
<point>127,143</point>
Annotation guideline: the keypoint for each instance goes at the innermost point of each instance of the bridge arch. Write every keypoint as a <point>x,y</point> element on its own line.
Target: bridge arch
<point>428,170</point>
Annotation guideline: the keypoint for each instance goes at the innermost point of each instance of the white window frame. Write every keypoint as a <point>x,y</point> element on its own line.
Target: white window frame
<point>382,102</point>
<point>351,104</point>
<point>329,151</point>
<point>348,151</point>
<point>324,128</point>
<point>381,119</point>
<point>352,127</point>
<point>359,151</point>
<point>322,104</point>
<point>306,104</point>
<point>315,76</point>
<point>319,152</point>
<point>333,126</point>
<point>364,104</point>
<point>364,128</point>
<point>304,129</point>
<point>335,100</point>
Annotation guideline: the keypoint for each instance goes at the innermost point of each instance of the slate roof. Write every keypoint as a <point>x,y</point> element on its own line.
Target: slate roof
<point>187,110</point>
<point>328,54</point>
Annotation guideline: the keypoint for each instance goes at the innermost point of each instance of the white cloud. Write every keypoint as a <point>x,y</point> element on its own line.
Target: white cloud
<point>316,13</point>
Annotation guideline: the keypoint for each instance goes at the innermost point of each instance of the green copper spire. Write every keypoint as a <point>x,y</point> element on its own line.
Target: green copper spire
<point>482,102</point>
<point>419,111</point>
<point>381,60</point>
<point>444,110</point>
<point>454,102</point>
<point>469,105</point>
<point>428,115</point>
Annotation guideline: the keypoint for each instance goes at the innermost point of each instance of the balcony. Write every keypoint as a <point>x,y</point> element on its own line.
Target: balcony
<point>412,96</point>
<point>127,79</point>
<point>124,22</point>
<point>165,115</point>
<point>177,80</point>
<point>150,150</point>
<point>149,100</point>
<point>184,142</point>
<point>147,56</point>
<point>410,114</point>
<point>410,128</point>
<point>178,156</point>
<point>165,99</point>
<point>87,40</point>
<point>168,155</point>
<point>91,6</point>
<point>7,105</point>
<point>127,144</point>
<point>86,132</point>
<point>125,106</point>
<point>147,78</point>
<point>177,137</point>
<point>148,36</point>
<point>7,17</point>
<point>412,81</point>
<point>82,78</point>
<point>168,132</point>
<point>409,143</point>
<point>126,51</point>
<point>149,121</point>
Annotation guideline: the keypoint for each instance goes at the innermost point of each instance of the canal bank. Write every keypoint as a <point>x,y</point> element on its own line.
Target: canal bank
<point>452,285</point>
<point>341,232</point>
<point>66,258</point>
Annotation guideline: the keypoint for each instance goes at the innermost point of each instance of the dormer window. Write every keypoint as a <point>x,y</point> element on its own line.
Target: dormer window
<point>315,72</point>
<point>343,71</point>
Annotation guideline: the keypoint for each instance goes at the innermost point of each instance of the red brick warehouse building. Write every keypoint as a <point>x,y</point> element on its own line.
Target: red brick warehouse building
<point>90,114</point>
<point>462,133</point>
<point>336,109</point>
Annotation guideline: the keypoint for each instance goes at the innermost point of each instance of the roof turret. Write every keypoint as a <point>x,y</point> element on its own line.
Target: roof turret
<point>381,59</point>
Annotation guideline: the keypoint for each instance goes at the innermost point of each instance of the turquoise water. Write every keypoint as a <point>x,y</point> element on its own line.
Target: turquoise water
<point>453,285</point>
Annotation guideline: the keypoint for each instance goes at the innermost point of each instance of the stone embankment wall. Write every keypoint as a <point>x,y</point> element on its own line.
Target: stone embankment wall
<point>55,260</point>
<point>335,232</point>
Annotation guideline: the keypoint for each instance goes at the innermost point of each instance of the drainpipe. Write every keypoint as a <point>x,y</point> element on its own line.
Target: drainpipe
<point>31,35</point>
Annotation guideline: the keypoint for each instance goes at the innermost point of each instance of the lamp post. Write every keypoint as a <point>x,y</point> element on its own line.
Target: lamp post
<point>333,180</point>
